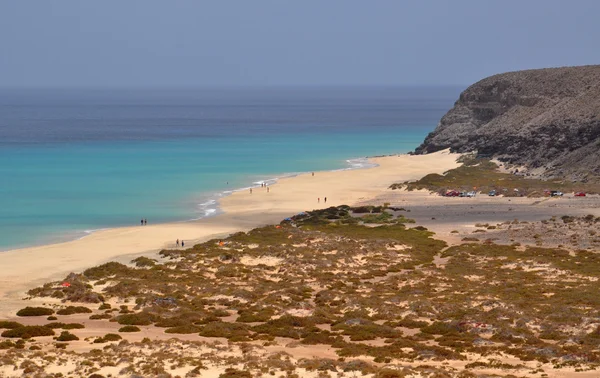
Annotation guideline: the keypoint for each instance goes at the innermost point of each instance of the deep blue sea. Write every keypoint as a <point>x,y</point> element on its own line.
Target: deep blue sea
<point>74,161</point>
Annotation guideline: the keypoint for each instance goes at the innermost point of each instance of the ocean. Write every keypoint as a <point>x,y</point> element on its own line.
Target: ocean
<point>77,160</point>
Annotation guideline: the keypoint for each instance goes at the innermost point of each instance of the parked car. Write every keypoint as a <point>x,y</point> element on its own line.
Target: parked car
<point>580,194</point>
<point>452,193</point>
<point>471,194</point>
<point>556,193</point>
<point>492,193</point>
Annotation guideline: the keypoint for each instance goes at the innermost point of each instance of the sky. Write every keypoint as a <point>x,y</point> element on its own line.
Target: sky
<point>149,43</point>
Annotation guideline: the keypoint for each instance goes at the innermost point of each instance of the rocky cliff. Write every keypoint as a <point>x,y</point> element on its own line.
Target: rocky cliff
<point>545,119</point>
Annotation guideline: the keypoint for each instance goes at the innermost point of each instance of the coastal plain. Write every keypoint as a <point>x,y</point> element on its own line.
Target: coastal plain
<point>376,282</point>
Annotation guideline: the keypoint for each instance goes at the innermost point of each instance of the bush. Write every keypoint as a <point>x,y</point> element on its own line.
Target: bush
<point>52,318</point>
<point>234,373</point>
<point>107,270</point>
<point>100,316</point>
<point>143,261</point>
<point>183,329</point>
<point>66,336</point>
<point>10,325</point>
<point>70,310</point>
<point>235,331</point>
<point>27,332</point>
<point>35,311</point>
<point>7,344</point>
<point>140,318</point>
<point>129,328</point>
<point>64,325</point>
<point>389,373</point>
<point>440,328</point>
<point>108,337</point>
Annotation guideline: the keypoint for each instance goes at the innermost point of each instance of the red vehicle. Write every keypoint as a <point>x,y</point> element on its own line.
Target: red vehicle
<point>452,193</point>
<point>580,194</point>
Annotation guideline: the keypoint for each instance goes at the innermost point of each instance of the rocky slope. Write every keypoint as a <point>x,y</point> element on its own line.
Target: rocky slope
<point>545,119</point>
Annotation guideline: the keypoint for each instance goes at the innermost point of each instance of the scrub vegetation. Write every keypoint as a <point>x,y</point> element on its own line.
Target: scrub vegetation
<point>483,175</point>
<point>374,294</point>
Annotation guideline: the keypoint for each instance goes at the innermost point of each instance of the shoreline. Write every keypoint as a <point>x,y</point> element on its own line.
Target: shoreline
<point>242,211</point>
<point>213,199</point>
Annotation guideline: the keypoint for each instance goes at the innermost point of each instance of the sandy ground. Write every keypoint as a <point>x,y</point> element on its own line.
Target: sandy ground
<point>26,268</point>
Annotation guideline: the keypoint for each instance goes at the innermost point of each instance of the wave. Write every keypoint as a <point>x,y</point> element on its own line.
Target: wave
<point>360,163</point>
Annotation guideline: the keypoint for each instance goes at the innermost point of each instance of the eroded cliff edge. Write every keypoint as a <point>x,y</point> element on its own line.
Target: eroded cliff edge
<point>546,119</point>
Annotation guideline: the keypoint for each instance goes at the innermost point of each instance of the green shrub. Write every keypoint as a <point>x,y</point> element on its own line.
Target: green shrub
<point>439,328</point>
<point>61,325</point>
<point>27,332</point>
<point>234,373</point>
<point>108,337</point>
<point>35,311</point>
<point>10,325</point>
<point>107,270</point>
<point>112,337</point>
<point>129,328</point>
<point>143,261</point>
<point>249,316</point>
<point>389,373</point>
<point>140,318</point>
<point>100,316</point>
<point>7,344</point>
<point>67,336</point>
<point>230,331</point>
<point>70,310</point>
<point>183,329</point>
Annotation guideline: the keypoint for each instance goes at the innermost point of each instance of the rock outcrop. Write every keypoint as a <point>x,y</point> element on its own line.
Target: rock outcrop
<point>545,119</point>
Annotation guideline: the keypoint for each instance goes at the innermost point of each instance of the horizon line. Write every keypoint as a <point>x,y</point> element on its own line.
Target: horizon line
<point>230,86</point>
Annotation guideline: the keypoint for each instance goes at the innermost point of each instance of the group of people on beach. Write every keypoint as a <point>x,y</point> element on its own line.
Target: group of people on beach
<point>143,221</point>
<point>324,200</point>
<point>182,243</point>
<point>263,185</point>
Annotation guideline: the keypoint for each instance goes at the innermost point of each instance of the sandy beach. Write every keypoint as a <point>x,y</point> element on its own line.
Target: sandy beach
<point>26,268</point>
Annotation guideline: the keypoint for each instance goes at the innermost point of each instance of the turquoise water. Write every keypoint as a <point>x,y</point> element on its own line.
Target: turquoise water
<point>54,189</point>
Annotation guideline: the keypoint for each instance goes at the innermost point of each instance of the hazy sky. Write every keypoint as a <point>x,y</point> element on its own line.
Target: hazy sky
<point>279,42</point>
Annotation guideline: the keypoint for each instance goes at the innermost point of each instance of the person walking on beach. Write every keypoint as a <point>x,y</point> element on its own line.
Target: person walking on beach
<point>268,189</point>
<point>182,243</point>
<point>325,200</point>
<point>177,243</point>
<point>319,200</point>
<point>145,221</point>
<point>250,190</point>
<point>142,222</point>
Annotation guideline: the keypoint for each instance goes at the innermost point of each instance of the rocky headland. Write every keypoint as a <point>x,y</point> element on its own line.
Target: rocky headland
<point>545,119</point>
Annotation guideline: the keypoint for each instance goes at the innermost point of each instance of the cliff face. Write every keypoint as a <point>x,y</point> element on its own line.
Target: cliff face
<point>546,118</point>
